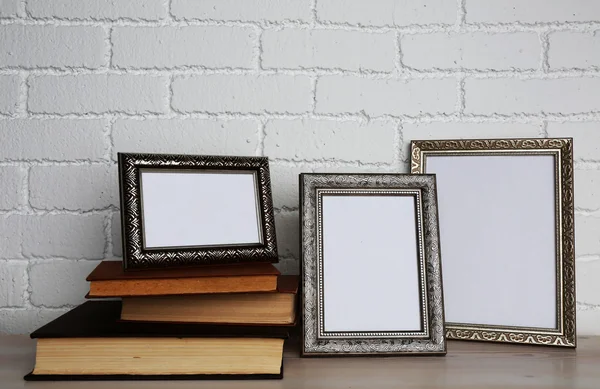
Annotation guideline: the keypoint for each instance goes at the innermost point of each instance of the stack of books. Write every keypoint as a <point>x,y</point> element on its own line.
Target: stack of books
<point>225,321</point>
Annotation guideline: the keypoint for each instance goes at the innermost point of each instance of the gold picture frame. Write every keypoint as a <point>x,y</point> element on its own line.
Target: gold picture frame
<point>563,247</point>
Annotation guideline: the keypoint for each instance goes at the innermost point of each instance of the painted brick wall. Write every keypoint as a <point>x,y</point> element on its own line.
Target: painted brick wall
<point>317,85</point>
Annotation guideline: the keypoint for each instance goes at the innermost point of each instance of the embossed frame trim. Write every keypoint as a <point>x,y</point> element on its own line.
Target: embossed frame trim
<point>316,342</point>
<point>562,151</point>
<point>136,256</point>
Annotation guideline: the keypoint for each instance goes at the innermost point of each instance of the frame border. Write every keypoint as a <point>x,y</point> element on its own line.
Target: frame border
<point>376,343</point>
<point>562,150</point>
<point>135,256</point>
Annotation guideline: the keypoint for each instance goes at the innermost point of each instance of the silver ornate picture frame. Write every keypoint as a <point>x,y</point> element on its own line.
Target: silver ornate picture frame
<point>187,210</point>
<point>371,272</point>
<point>509,265</point>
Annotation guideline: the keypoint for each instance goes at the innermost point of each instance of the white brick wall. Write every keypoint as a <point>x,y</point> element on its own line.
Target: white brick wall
<point>9,99</point>
<point>574,50</point>
<point>172,47</point>
<point>55,46</point>
<point>476,50</point>
<point>317,85</point>
<point>332,49</point>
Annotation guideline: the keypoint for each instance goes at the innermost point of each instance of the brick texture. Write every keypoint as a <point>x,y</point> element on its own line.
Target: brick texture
<point>98,9</point>
<point>171,47</point>
<point>588,239</point>
<point>11,188</point>
<point>233,93</point>
<point>343,94</point>
<point>288,230</point>
<point>586,137</point>
<point>56,46</point>
<point>310,140</point>
<point>9,98</point>
<point>574,50</point>
<point>56,283</point>
<point>98,94</point>
<point>532,11</point>
<point>586,281</point>
<point>117,242</point>
<point>337,49</point>
<point>11,230</point>
<point>336,86</point>
<point>186,136</point>
<point>284,183</point>
<point>510,96</point>
<point>587,199</point>
<point>476,50</point>
<point>91,187</point>
<point>13,284</point>
<point>25,321</point>
<point>387,12</point>
<point>64,236</point>
<point>9,8</point>
<point>247,10</point>
<point>52,139</point>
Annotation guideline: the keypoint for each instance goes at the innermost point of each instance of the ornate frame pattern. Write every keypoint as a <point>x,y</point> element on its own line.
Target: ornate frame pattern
<point>562,150</point>
<point>315,341</point>
<point>135,256</point>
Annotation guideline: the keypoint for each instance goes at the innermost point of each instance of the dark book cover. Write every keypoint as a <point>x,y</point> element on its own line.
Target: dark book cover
<point>96,319</point>
<point>113,270</point>
<point>166,377</point>
<point>101,319</point>
<point>287,284</point>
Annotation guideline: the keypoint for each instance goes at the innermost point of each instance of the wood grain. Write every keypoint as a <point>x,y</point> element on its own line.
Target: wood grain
<point>468,365</point>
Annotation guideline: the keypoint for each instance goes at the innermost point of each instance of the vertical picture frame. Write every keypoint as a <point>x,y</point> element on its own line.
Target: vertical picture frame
<point>507,237</point>
<point>371,271</point>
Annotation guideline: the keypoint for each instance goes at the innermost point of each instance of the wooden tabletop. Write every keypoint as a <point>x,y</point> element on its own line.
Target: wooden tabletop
<point>467,365</point>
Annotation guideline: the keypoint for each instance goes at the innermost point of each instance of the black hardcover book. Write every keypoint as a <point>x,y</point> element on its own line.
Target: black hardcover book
<point>122,348</point>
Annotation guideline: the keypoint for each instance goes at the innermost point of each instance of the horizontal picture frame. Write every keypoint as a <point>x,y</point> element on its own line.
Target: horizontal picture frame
<point>371,271</point>
<point>507,237</point>
<point>187,210</point>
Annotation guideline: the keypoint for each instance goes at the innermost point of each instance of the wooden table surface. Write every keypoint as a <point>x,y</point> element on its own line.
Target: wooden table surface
<point>467,365</point>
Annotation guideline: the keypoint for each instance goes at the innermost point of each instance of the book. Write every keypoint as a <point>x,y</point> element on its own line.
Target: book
<point>109,279</point>
<point>91,343</point>
<point>267,308</point>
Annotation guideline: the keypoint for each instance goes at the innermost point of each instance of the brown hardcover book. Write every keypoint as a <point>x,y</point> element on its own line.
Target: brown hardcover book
<point>110,280</point>
<point>91,343</point>
<point>233,308</point>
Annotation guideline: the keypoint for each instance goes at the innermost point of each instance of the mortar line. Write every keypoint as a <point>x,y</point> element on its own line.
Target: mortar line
<point>108,138</point>
<point>461,101</point>
<point>398,145</point>
<point>545,49</point>
<point>588,26</point>
<point>110,29</point>
<point>314,17</point>
<point>170,108</point>
<point>260,136</point>
<point>108,243</point>
<point>398,58</point>
<point>544,129</point>
<point>461,20</point>
<point>170,16</point>
<point>313,95</point>
<point>22,109</point>
<point>23,11</point>
<point>258,49</point>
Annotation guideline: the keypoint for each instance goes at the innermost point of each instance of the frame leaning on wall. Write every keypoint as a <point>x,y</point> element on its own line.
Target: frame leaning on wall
<point>561,226</point>
<point>258,245</point>
<point>420,252</point>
